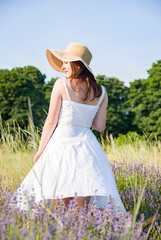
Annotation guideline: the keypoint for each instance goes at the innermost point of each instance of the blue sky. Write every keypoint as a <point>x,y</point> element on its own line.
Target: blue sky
<point>124,36</point>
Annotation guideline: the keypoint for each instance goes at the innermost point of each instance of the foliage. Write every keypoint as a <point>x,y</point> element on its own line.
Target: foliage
<point>130,137</point>
<point>16,86</point>
<point>133,109</point>
<point>117,121</point>
<point>144,101</point>
<point>48,88</point>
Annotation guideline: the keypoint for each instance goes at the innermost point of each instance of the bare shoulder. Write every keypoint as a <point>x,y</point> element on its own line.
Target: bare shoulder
<point>59,82</point>
<point>58,85</point>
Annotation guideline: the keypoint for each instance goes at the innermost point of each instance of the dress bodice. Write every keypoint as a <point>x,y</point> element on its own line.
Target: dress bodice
<point>78,114</point>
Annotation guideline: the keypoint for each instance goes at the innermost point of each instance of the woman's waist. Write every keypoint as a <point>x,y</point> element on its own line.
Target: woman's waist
<point>73,124</point>
<point>72,130</point>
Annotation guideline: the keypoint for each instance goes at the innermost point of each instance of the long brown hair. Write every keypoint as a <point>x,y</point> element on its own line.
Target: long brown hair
<point>81,74</point>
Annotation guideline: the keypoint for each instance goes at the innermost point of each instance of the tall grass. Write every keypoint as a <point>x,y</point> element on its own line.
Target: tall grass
<point>16,153</point>
<point>133,150</point>
<point>17,150</point>
<point>136,164</point>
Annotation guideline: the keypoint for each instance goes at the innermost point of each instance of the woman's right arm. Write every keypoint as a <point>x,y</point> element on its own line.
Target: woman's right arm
<point>99,121</point>
<point>52,118</point>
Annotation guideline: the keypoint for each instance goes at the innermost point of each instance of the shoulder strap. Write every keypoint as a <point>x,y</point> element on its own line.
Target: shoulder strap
<point>101,97</point>
<point>66,89</point>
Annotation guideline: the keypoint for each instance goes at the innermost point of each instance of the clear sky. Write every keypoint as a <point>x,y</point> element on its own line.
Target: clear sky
<point>124,36</point>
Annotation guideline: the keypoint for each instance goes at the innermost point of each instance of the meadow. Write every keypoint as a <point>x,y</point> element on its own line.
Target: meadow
<point>136,164</point>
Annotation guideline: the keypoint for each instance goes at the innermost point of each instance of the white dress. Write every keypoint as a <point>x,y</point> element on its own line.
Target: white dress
<point>73,162</point>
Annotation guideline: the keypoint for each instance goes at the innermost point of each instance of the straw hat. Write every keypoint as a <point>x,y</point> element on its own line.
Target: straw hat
<point>74,52</point>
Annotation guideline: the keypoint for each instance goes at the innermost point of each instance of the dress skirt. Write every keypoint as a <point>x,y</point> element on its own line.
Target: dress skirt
<point>72,164</point>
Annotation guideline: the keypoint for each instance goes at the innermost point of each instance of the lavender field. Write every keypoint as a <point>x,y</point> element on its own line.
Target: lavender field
<point>136,166</point>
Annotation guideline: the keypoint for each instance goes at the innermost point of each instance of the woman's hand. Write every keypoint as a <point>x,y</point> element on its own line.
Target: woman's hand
<point>37,155</point>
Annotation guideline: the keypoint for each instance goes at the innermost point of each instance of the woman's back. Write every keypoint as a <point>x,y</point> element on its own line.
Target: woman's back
<point>73,112</point>
<point>78,94</point>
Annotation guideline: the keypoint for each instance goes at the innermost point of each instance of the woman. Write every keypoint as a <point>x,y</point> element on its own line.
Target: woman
<point>70,162</point>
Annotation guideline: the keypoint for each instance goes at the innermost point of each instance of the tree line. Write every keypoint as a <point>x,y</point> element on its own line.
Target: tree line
<point>135,108</point>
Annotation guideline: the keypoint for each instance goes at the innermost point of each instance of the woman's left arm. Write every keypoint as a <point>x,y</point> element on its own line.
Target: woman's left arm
<point>51,120</point>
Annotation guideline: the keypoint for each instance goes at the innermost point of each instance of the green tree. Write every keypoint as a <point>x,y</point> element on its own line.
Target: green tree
<point>135,103</point>
<point>117,115</point>
<point>48,88</point>
<point>15,88</point>
<point>144,101</point>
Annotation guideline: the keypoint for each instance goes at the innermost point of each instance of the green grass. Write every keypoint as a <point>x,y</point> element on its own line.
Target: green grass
<point>136,165</point>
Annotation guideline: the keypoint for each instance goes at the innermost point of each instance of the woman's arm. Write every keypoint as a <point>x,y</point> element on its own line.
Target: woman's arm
<point>99,121</point>
<point>52,118</point>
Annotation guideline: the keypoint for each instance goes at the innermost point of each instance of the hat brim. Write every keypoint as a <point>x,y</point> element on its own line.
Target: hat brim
<point>56,58</point>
